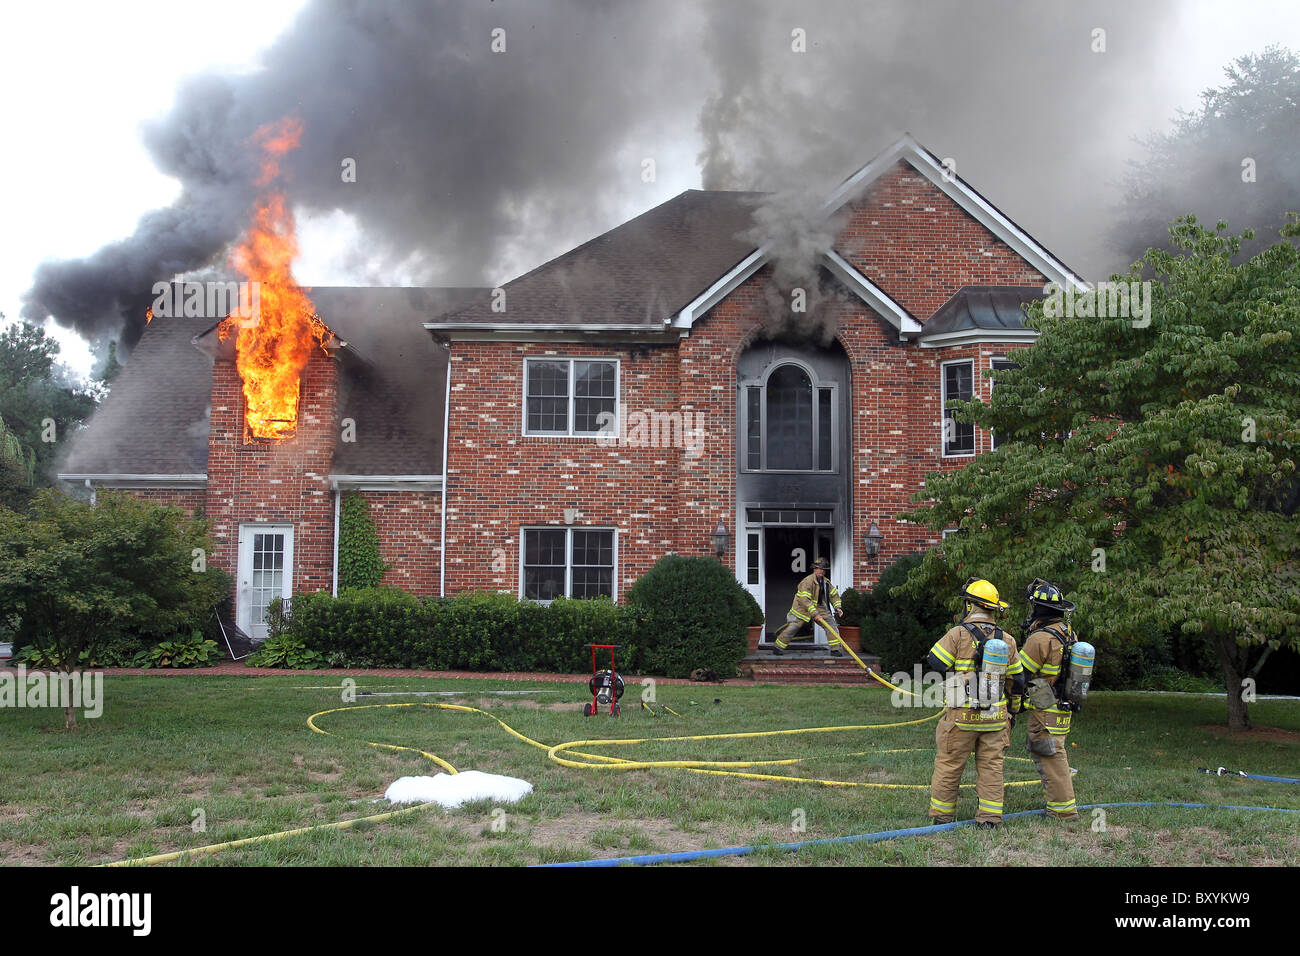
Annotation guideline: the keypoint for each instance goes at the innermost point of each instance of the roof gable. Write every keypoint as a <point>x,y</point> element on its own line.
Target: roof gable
<point>908,150</point>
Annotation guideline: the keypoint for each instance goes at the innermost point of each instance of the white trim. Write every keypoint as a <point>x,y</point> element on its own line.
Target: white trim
<point>943,405</point>
<point>955,188</point>
<point>334,586</point>
<point>541,327</point>
<point>387,482</point>
<point>639,334</point>
<point>871,294</point>
<point>572,398</point>
<point>742,420</point>
<point>140,481</point>
<point>978,336</point>
<point>720,289</point>
<point>244,549</point>
<point>446,470</point>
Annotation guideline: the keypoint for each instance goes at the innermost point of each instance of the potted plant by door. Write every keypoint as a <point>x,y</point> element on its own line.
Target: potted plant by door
<point>850,624</point>
<point>755,630</point>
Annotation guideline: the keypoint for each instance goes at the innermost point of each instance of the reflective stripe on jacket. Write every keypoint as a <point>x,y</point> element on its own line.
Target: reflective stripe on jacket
<point>805,598</point>
<point>956,651</point>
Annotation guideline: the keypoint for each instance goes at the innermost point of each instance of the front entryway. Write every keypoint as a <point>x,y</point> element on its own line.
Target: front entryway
<point>265,573</point>
<point>793,461</point>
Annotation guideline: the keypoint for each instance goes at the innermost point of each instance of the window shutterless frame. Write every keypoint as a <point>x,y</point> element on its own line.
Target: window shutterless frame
<point>996,363</point>
<point>571,396</point>
<point>568,557</point>
<point>754,423</point>
<point>943,410</point>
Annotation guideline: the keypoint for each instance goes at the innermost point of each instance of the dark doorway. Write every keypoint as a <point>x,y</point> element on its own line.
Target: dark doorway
<point>788,557</point>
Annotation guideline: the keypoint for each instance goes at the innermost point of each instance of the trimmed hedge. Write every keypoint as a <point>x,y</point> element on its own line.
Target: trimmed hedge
<point>386,627</point>
<point>695,617</point>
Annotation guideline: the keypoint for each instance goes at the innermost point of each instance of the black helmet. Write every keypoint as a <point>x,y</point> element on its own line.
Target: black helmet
<point>822,563</point>
<point>1047,596</point>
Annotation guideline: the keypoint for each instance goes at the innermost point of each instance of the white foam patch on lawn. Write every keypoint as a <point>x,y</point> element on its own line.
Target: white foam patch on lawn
<point>453,789</point>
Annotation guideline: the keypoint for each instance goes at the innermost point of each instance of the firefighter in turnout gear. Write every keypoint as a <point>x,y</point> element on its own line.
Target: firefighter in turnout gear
<point>1045,657</point>
<point>815,602</point>
<point>984,669</point>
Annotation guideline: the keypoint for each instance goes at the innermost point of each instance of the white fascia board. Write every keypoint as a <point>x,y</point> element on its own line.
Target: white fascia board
<point>140,481</point>
<point>534,332</point>
<point>955,188</point>
<point>871,294</point>
<point>720,289</point>
<point>972,336</point>
<point>535,327</point>
<point>386,482</point>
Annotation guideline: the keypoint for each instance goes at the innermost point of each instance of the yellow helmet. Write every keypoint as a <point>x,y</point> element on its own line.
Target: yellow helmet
<point>981,592</point>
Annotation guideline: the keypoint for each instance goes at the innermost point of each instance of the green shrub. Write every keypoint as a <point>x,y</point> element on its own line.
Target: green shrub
<point>694,615</point>
<point>386,627</point>
<point>194,651</point>
<point>123,574</point>
<point>1173,679</point>
<point>852,603</point>
<point>756,616</point>
<point>898,628</point>
<point>282,650</point>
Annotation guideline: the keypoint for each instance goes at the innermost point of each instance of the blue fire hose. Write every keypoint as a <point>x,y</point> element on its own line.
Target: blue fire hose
<point>880,837</point>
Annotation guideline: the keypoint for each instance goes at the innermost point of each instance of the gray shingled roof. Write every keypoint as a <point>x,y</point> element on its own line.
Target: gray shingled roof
<point>155,420</point>
<point>995,307</point>
<point>394,376</point>
<point>638,273</point>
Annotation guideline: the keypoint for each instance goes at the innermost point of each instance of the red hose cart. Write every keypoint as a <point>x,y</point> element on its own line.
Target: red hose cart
<point>605,685</point>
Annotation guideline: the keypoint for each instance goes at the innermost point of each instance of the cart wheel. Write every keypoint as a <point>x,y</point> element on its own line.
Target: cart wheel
<point>586,710</point>
<point>617,710</point>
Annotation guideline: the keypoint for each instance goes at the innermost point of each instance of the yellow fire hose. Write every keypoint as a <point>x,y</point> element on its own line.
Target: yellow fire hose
<point>589,761</point>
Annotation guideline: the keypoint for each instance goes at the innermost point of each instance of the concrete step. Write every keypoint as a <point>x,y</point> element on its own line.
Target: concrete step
<point>804,667</point>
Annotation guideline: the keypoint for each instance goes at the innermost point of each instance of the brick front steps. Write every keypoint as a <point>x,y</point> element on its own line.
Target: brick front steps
<point>807,667</point>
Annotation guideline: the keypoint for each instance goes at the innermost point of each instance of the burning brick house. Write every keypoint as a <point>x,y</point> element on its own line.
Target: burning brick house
<point>621,402</point>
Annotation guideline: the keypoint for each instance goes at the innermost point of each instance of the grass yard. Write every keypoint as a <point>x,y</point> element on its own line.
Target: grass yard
<point>238,751</point>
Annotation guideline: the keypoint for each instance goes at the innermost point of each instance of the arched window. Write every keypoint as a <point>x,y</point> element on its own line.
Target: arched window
<point>789,422</point>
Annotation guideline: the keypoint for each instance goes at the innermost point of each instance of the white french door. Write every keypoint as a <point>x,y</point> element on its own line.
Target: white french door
<point>265,573</point>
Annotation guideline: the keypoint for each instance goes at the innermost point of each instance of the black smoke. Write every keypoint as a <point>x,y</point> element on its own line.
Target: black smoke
<point>472,163</point>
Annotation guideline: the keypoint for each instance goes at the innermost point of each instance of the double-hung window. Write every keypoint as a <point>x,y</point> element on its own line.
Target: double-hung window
<point>568,562</point>
<point>958,379</point>
<point>570,396</point>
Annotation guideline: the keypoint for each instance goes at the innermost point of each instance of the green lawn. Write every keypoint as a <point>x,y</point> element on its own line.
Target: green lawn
<point>238,749</point>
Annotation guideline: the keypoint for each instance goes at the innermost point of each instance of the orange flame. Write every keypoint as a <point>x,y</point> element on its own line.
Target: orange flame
<point>276,340</point>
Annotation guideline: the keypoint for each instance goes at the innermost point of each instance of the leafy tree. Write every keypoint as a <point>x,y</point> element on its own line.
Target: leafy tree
<point>38,404</point>
<point>75,576</point>
<point>1233,158</point>
<point>17,469</point>
<point>898,626</point>
<point>1150,471</point>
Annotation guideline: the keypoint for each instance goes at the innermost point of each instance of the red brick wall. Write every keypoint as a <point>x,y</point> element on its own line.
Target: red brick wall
<point>500,480</point>
<point>186,499</point>
<point>283,483</point>
<point>409,525</point>
<point>904,233</point>
<point>920,247</point>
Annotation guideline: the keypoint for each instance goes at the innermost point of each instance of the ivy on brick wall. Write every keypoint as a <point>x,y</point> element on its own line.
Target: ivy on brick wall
<point>360,565</point>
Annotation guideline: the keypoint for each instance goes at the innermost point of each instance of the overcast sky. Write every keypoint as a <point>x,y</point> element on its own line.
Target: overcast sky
<point>711,95</point>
